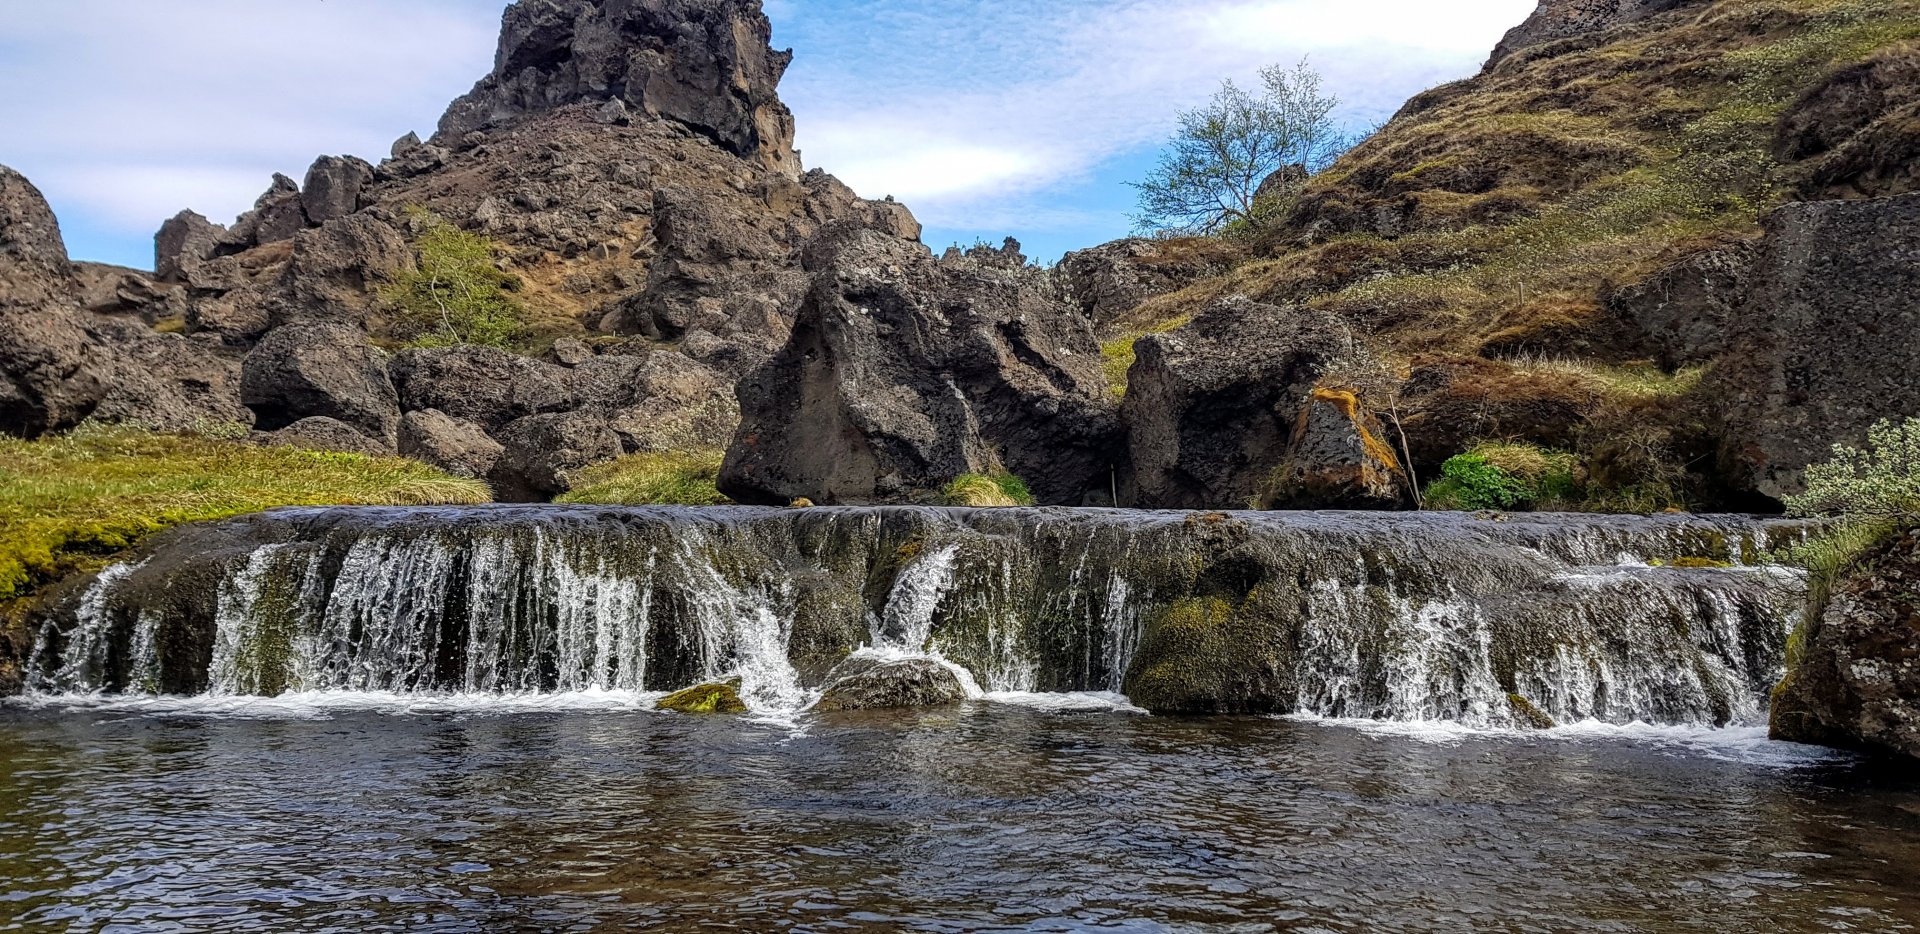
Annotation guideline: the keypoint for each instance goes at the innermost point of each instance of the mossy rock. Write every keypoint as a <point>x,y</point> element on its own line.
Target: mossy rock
<point>1206,655</point>
<point>1527,716</point>
<point>705,698</point>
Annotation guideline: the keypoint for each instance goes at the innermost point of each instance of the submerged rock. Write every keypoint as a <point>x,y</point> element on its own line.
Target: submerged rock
<point>871,683</point>
<point>705,698</point>
<point>1857,684</point>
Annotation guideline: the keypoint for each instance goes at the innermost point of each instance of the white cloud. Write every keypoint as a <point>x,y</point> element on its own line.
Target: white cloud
<point>1049,91</point>
<point>126,111</point>
<point>978,113</point>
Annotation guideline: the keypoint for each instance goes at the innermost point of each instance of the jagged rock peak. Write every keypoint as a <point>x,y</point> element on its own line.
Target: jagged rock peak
<point>28,232</point>
<point>705,64</point>
<point>1562,19</point>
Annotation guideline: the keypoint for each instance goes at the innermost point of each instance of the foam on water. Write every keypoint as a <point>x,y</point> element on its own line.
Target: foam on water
<point>1743,744</point>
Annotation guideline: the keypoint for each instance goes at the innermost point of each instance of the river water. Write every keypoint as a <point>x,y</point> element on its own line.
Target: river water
<point>345,812</point>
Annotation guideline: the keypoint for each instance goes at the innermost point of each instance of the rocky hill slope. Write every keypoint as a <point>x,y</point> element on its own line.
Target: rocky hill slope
<point>1663,246</point>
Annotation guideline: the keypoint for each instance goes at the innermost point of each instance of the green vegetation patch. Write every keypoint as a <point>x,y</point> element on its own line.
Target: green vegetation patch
<point>70,503</point>
<point>705,698</point>
<point>985,491</point>
<point>457,294</point>
<point>1498,476</point>
<point>679,478</point>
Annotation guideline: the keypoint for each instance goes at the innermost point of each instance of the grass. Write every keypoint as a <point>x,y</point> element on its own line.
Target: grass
<point>1116,356</point>
<point>987,491</point>
<point>70,503</point>
<point>662,479</point>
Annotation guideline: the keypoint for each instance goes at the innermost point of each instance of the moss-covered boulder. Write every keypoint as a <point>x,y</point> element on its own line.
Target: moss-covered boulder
<point>1210,655</point>
<point>706,698</point>
<point>869,683</point>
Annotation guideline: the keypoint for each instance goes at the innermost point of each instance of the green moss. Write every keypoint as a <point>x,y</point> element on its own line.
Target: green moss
<point>71,503</point>
<point>705,698</point>
<point>1527,715</point>
<point>681,478</point>
<point>987,491</point>
<point>1207,654</point>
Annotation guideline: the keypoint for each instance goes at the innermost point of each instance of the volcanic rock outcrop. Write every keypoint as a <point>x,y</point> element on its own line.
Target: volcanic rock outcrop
<point>1857,683</point>
<point>1824,344</point>
<point>1565,19</point>
<point>905,372</point>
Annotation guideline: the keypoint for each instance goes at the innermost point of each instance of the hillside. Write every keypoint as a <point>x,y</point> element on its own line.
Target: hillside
<point>1548,252</point>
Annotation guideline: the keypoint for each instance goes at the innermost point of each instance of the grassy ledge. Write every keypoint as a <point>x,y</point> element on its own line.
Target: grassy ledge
<point>68,504</point>
<point>663,479</point>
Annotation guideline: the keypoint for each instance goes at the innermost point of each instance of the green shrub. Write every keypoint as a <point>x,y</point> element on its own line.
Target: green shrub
<point>1882,481</point>
<point>987,491</point>
<point>1469,482</point>
<point>668,479</point>
<point>71,503</point>
<point>456,295</point>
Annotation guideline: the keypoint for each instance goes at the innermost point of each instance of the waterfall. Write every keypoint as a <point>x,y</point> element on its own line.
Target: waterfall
<point>1413,617</point>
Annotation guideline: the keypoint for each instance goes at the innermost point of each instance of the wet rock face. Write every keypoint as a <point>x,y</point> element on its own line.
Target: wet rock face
<point>904,372</point>
<point>869,683</point>
<point>1823,346</point>
<point>1858,682</point>
<point>705,64</point>
<point>1211,409</point>
<point>1564,19</point>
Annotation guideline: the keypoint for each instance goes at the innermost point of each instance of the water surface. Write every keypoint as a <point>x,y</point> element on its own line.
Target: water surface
<point>996,817</point>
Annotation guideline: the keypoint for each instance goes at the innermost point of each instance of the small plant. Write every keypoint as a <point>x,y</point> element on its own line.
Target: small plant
<point>1881,481</point>
<point>1469,482</point>
<point>987,491</point>
<point>456,295</point>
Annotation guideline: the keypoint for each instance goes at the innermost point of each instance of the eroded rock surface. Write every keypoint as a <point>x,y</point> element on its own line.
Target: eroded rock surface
<point>873,683</point>
<point>1857,685</point>
<point>904,372</point>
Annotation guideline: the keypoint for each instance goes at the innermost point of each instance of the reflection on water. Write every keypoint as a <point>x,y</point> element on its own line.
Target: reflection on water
<point>991,817</point>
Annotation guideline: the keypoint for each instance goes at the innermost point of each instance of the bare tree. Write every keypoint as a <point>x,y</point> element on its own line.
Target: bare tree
<point>1210,175</point>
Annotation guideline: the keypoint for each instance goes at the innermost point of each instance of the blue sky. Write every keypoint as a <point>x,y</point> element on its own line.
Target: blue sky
<point>988,117</point>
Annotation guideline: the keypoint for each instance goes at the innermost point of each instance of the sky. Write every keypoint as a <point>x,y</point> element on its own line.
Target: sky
<point>989,118</point>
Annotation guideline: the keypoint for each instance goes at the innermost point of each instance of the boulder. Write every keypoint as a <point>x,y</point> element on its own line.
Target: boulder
<point>1565,19</point>
<point>704,64</point>
<point>903,373</point>
<point>483,385</point>
<point>1212,407</point>
<point>333,187</point>
<point>169,382</point>
<point>1857,682</point>
<point>1340,458</point>
<point>337,270</point>
<point>705,698</point>
<point>238,318</point>
<point>540,454</point>
<point>48,362</point>
<point>569,352</point>
<point>185,241</point>
<point>457,447</point>
<point>872,683</point>
<point>321,433</point>
<point>303,370</point>
<point>277,215</point>
<point>1109,281</point>
<point>1823,344</point>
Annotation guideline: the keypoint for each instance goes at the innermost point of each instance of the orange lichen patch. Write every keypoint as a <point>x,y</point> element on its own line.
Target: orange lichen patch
<point>1348,403</point>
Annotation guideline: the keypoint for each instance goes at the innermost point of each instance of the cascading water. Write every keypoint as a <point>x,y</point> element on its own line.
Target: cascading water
<point>1418,617</point>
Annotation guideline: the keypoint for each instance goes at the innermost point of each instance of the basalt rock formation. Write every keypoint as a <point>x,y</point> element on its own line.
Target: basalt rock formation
<point>1856,684</point>
<point>905,372</point>
<point>629,159</point>
<point>1570,19</point>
